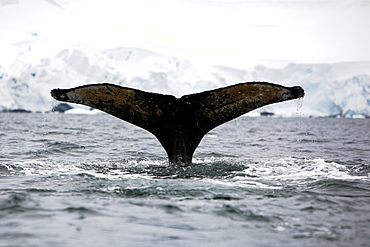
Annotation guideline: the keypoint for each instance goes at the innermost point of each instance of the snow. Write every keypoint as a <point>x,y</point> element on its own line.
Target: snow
<point>337,89</point>
<point>66,43</point>
<point>332,89</point>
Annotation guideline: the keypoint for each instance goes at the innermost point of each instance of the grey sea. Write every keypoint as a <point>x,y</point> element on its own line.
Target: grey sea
<point>94,180</point>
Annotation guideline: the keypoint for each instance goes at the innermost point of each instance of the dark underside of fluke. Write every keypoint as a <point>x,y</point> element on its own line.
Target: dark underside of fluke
<point>179,124</point>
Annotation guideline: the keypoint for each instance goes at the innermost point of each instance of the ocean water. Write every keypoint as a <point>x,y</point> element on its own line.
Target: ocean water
<point>94,180</point>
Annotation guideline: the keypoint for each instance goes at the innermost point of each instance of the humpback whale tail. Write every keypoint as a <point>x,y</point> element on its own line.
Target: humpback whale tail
<point>179,124</point>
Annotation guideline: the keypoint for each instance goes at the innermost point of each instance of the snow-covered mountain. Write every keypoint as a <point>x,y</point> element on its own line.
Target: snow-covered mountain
<point>27,86</point>
<point>38,51</point>
<point>338,89</point>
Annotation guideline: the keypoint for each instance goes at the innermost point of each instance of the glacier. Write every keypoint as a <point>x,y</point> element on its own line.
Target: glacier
<point>332,89</point>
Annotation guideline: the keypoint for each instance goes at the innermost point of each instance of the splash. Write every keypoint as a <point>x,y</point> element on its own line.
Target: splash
<point>299,106</point>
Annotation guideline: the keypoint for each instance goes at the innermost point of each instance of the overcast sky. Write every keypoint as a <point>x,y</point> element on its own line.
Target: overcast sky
<point>217,32</point>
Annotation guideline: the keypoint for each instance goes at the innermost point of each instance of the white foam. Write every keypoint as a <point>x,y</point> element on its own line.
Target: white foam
<point>276,173</point>
<point>262,174</point>
<point>36,167</point>
<point>98,170</point>
<point>298,170</point>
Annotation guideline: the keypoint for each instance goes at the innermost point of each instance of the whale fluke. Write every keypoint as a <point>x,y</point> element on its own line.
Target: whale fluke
<point>179,124</point>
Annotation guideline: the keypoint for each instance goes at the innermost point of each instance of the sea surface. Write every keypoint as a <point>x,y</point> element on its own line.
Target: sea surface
<point>94,180</point>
